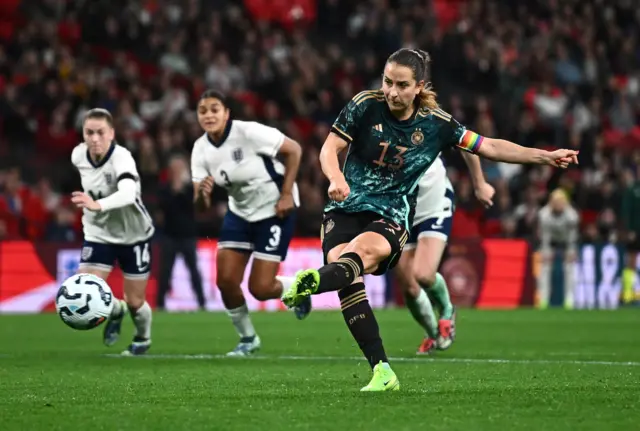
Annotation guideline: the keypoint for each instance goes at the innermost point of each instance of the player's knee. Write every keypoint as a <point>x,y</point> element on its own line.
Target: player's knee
<point>226,282</point>
<point>369,251</point>
<point>412,290</point>
<point>134,301</point>
<point>334,254</point>
<point>261,290</point>
<point>403,279</point>
<point>135,293</point>
<point>425,274</point>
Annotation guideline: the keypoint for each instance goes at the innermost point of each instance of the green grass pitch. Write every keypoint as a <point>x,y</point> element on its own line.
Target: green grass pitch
<point>507,370</point>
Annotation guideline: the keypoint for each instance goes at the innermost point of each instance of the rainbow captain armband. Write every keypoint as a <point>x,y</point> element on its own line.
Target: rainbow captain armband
<point>470,141</point>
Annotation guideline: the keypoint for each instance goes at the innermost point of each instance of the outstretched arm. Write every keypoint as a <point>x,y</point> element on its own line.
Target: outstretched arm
<point>505,151</point>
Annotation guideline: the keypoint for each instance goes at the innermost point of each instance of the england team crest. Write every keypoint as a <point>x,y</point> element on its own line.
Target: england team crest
<point>417,137</point>
<point>108,178</point>
<point>86,253</point>
<point>237,155</point>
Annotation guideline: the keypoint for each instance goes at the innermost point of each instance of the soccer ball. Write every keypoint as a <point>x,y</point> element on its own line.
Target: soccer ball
<point>84,301</point>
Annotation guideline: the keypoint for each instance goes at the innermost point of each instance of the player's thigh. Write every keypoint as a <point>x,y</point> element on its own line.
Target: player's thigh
<point>97,259</point>
<point>97,272</point>
<point>427,258</point>
<point>430,238</point>
<point>235,234</point>
<point>262,279</point>
<point>135,263</point>
<point>230,267</point>
<point>403,272</point>
<point>379,245</point>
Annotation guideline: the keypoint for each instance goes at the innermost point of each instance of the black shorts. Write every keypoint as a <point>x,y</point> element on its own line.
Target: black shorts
<point>340,228</point>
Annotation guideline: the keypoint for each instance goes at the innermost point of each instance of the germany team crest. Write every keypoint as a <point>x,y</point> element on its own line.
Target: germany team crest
<point>329,226</point>
<point>417,137</point>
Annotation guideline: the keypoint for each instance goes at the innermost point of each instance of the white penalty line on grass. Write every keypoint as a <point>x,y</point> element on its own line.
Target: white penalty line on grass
<point>393,359</point>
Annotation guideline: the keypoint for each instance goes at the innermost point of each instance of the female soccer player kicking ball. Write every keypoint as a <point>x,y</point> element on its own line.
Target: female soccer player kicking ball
<point>417,271</point>
<point>241,157</point>
<point>393,136</point>
<point>116,225</point>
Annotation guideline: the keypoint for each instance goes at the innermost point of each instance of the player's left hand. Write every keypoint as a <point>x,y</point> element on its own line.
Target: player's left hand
<point>83,200</point>
<point>484,193</point>
<point>285,205</point>
<point>562,158</point>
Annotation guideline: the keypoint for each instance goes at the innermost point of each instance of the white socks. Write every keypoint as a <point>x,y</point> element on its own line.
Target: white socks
<point>240,316</point>
<point>118,307</point>
<point>142,321</point>
<point>422,311</point>
<point>241,321</point>
<point>544,284</point>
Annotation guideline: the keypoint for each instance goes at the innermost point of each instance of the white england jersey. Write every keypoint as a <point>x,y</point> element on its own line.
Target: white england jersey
<point>432,202</point>
<point>127,225</point>
<point>245,164</point>
<point>561,229</point>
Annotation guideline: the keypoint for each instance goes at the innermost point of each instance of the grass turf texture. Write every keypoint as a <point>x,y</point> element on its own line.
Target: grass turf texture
<point>515,370</point>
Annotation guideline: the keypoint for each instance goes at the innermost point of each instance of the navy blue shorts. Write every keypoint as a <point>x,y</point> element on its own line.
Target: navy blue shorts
<point>134,259</point>
<point>438,226</point>
<point>267,239</point>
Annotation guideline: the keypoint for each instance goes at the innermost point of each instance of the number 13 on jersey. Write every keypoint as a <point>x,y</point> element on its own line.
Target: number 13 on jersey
<point>398,159</point>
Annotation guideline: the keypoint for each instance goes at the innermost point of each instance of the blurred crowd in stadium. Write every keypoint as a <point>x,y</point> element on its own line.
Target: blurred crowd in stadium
<point>542,73</point>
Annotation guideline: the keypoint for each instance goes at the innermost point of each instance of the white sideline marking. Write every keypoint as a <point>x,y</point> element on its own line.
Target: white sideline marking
<point>398,359</point>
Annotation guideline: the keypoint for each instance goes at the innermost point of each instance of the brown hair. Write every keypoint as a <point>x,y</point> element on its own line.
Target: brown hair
<point>99,114</point>
<point>215,94</point>
<point>418,61</point>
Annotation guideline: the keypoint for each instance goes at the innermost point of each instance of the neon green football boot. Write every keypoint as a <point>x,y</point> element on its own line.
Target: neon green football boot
<point>384,379</point>
<point>305,285</point>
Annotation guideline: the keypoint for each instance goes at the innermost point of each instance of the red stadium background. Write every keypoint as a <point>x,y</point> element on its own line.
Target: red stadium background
<point>484,274</point>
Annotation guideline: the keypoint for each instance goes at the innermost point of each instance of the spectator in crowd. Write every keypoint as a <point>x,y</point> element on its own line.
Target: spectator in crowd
<point>178,228</point>
<point>537,72</point>
<point>559,232</point>
<point>62,228</point>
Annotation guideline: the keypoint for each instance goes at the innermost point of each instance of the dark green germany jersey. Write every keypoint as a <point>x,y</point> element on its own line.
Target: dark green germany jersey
<point>387,157</point>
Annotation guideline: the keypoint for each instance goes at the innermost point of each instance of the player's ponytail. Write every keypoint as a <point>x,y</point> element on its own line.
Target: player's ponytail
<point>427,97</point>
<point>418,61</point>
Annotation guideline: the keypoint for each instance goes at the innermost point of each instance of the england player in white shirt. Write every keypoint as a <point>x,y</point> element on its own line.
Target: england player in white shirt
<point>241,157</point>
<point>417,271</point>
<point>116,225</point>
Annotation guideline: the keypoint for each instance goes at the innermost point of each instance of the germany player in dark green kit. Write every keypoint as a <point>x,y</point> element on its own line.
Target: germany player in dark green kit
<point>393,136</point>
<point>386,162</point>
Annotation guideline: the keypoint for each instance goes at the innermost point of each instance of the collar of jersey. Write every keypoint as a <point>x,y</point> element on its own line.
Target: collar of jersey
<point>106,157</point>
<point>225,135</point>
<point>409,120</point>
